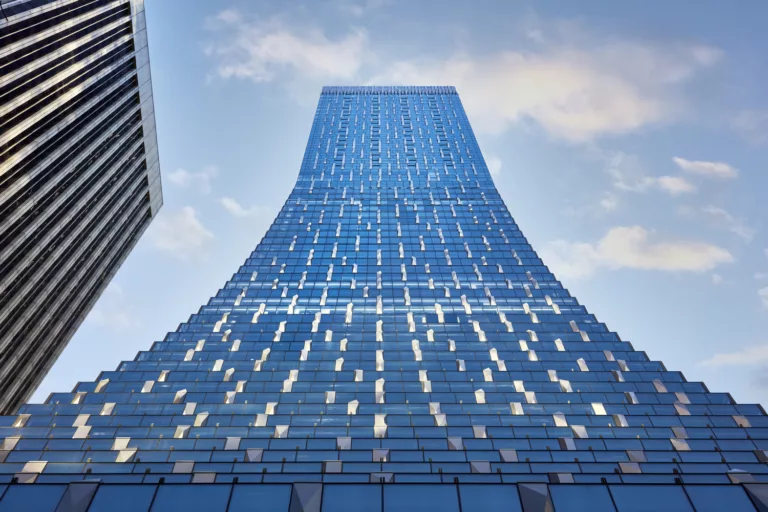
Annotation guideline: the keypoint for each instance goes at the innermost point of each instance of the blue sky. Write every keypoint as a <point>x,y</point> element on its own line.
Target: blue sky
<point>628,139</point>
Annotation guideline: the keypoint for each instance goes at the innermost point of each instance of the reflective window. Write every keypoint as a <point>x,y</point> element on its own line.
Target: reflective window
<point>581,498</point>
<point>716,498</point>
<point>352,498</point>
<point>420,498</point>
<point>650,498</point>
<point>268,497</point>
<point>202,498</point>
<point>489,498</point>
<point>119,498</point>
<point>32,498</point>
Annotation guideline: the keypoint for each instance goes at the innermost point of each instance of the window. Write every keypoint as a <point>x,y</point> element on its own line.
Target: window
<point>650,498</point>
<point>117,498</point>
<point>489,498</point>
<point>352,498</point>
<point>268,497</point>
<point>581,498</point>
<point>420,498</point>
<point>715,498</point>
<point>202,498</point>
<point>32,498</point>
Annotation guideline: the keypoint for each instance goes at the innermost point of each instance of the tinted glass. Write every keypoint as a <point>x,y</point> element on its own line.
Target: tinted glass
<point>32,498</point>
<point>489,498</point>
<point>716,498</point>
<point>650,498</point>
<point>420,498</point>
<point>581,498</point>
<point>260,497</point>
<point>189,498</point>
<point>352,498</point>
<point>120,498</point>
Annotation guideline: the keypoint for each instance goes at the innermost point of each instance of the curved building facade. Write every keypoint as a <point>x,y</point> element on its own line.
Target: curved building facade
<point>393,343</point>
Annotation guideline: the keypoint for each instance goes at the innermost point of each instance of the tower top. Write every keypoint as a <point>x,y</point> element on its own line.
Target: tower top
<point>388,89</point>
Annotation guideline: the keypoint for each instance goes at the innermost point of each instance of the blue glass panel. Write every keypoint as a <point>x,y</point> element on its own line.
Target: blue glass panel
<point>189,498</point>
<point>120,498</point>
<point>719,497</point>
<point>650,498</point>
<point>581,498</point>
<point>352,498</point>
<point>490,498</point>
<point>246,497</point>
<point>420,498</point>
<point>32,498</point>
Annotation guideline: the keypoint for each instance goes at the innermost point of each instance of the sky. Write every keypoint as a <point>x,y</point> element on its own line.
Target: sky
<point>628,139</point>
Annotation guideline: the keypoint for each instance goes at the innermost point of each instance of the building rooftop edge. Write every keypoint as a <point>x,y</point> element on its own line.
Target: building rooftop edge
<point>389,89</point>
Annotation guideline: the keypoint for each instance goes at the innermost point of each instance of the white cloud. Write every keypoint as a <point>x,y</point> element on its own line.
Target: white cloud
<point>595,207</point>
<point>722,219</point>
<point>763,294</point>
<point>115,319</point>
<point>535,35</point>
<point>570,260</point>
<point>179,232</point>
<point>704,168</point>
<point>111,311</point>
<point>675,185</point>
<point>610,202</point>
<point>494,165</point>
<point>261,50</point>
<point>199,180</point>
<point>628,174</point>
<point>752,124</point>
<point>358,9</point>
<point>573,86</point>
<point>236,209</point>
<point>757,354</point>
<point>731,223</point>
<point>576,92</point>
<point>717,279</point>
<point>762,275</point>
<point>631,247</point>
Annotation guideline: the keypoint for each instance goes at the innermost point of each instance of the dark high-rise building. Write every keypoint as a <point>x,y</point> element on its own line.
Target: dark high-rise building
<point>79,171</point>
<point>392,344</point>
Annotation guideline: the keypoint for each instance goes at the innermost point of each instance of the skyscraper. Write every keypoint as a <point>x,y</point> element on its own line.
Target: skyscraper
<point>393,343</point>
<point>79,171</point>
